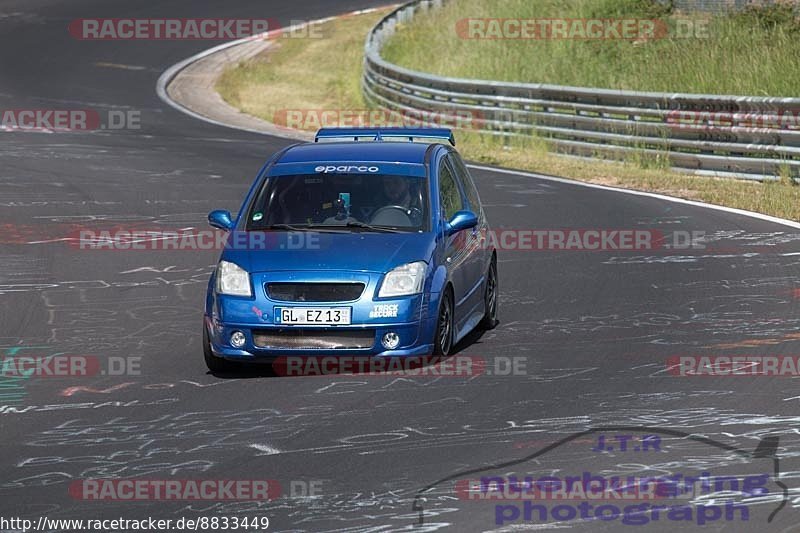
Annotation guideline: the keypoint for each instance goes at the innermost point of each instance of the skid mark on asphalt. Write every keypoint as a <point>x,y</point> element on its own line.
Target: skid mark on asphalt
<point>105,64</point>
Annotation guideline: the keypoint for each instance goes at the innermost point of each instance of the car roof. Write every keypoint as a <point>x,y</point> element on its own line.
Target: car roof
<point>365,151</point>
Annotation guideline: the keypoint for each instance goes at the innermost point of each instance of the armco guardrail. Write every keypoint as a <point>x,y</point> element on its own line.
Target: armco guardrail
<point>739,136</point>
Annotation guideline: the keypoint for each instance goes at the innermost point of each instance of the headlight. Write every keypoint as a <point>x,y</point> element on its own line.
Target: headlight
<point>403,280</point>
<point>233,280</point>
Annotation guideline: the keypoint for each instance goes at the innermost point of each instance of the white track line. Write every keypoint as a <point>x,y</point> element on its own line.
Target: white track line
<point>760,216</point>
<point>168,75</point>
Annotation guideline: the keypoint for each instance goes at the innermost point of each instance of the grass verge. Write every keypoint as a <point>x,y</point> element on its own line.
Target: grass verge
<point>324,74</point>
<point>754,52</point>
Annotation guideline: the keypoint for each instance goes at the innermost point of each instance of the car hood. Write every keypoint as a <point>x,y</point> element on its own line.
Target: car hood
<point>355,251</point>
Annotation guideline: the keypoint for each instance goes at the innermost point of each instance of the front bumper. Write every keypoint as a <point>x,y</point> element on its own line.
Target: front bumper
<point>409,317</point>
<point>219,337</point>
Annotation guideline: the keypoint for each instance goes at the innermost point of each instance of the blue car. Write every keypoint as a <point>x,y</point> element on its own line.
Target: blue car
<point>366,242</point>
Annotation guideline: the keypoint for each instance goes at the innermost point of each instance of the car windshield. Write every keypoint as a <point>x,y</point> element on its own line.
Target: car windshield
<point>344,202</point>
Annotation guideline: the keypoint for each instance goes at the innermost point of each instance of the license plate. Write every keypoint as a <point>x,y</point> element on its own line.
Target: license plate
<point>313,315</point>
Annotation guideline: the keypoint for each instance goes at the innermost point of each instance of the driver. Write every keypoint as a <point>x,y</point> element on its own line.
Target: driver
<point>396,191</point>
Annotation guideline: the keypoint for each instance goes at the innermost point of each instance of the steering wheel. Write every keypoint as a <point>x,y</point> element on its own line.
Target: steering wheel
<point>395,215</point>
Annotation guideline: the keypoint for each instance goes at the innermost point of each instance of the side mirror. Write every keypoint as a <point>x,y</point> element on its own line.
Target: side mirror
<point>220,219</point>
<point>461,220</point>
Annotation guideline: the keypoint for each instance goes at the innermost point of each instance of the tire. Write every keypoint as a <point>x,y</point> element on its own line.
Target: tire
<point>215,364</point>
<point>443,335</point>
<point>491,296</point>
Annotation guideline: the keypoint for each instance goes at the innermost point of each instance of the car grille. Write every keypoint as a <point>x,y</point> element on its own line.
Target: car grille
<point>314,339</point>
<point>314,292</point>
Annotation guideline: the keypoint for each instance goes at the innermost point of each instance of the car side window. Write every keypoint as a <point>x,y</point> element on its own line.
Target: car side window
<point>466,180</point>
<point>449,195</point>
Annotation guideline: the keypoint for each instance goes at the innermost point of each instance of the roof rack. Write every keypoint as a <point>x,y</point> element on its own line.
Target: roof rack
<point>378,134</point>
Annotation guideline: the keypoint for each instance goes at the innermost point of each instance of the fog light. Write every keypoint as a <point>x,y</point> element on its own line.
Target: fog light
<point>238,339</point>
<point>391,340</point>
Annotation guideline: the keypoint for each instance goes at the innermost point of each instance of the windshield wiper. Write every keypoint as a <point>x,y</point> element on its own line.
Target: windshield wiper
<point>305,227</point>
<point>336,228</point>
<point>289,227</point>
<point>364,225</point>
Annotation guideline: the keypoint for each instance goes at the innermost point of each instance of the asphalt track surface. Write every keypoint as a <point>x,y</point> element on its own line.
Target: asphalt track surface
<point>594,328</point>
